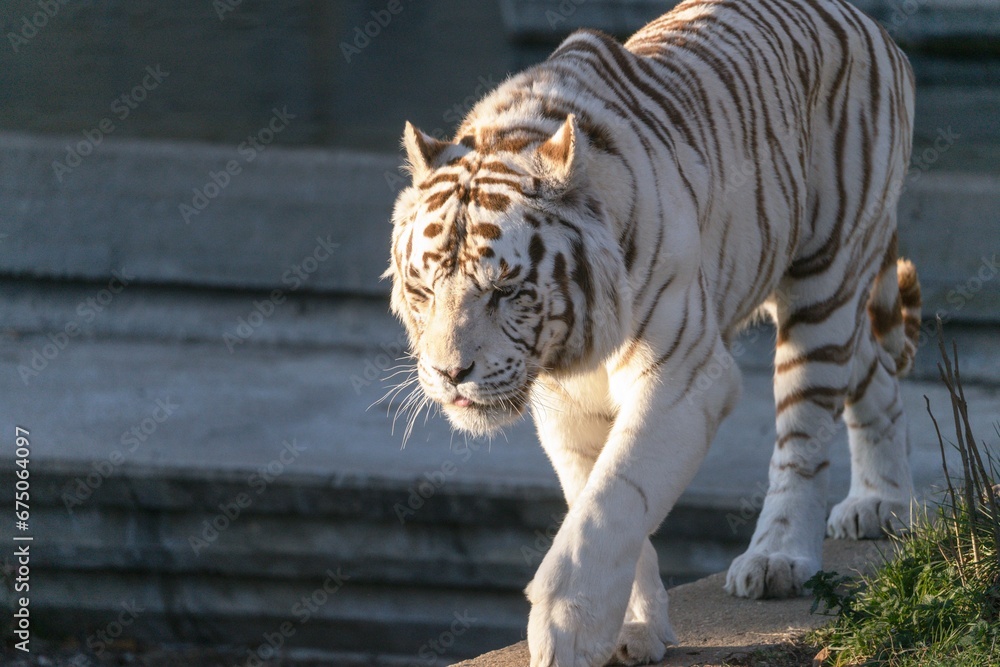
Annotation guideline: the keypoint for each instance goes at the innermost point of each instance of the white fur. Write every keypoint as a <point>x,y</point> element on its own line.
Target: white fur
<point>619,419</point>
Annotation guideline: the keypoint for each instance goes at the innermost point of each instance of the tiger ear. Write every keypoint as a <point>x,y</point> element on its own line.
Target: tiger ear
<point>561,156</point>
<point>421,150</point>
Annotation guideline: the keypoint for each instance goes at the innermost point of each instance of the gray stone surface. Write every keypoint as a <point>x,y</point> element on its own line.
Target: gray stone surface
<point>358,324</point>
<point>119,211</point>
<point>438,527</point>
<point>918,25</point>
<point>228,70</point>
<point>714,629</point>
<point>234,411</point>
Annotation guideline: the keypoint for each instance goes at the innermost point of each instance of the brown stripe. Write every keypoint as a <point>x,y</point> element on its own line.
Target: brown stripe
<point>799,470</point>
<point>493,180</point>
<point>859,391</point>
<point>559,274</point>
<point>814,313</point>
<point>825,397</point>
<point>485,229</point>
<point>429,258</point>
<point>491,201</point>
<point>885,320</point>
<point>500,168</point>
<point>674,345</point>
<point>439,178</point>
<point>438,199</point>
<point>790,435</point>
<point>536,250</point>
<point>828,354</point>
<point>581,276</point>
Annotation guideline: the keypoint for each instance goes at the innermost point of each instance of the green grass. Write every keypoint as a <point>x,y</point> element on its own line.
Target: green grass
<point>936,600</point>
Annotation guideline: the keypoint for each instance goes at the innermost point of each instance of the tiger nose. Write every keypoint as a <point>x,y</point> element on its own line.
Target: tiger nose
<point>454,375</point>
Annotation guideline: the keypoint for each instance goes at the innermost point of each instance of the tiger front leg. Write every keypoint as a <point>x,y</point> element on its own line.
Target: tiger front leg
<point>573,419</point>
<point>647,630</point>
<point>581,591</point>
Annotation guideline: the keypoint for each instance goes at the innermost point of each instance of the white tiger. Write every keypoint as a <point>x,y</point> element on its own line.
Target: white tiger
<point>594,238</point>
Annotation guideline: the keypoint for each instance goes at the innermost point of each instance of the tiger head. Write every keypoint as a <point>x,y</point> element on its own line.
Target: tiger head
<point>504,266</point>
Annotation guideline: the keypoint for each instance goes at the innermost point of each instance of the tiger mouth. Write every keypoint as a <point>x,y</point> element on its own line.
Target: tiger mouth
<point>513,403</point>
<point>487,415</point>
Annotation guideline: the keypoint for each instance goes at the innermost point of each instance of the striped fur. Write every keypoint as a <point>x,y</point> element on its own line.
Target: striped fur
<point>595,236</point>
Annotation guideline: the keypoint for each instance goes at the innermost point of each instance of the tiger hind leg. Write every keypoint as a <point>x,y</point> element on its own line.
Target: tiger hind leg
<point>818,324</point>
<point>881,484</point>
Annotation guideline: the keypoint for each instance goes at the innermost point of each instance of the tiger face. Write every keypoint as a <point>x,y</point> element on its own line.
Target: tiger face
<point>501,265</point>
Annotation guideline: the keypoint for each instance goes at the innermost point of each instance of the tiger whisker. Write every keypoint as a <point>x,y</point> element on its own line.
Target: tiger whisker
<point>391,394</point>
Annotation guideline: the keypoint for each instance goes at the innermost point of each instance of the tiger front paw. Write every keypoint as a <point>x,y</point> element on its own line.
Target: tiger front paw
<point>757,574</point>
<point>642,642</point>
<point>576,612</point>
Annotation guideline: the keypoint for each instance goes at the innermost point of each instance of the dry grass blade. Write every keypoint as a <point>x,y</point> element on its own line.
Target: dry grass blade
<point>951,490</point>
<point>970,477</point>
<point>980,495</point>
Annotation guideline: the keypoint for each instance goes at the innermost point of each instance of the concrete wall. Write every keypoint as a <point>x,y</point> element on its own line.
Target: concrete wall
<point>228,69</point>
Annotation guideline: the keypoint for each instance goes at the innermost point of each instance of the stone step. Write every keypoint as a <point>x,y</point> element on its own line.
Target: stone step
<point>464,551</point>
<point>714,628</point>
<point>136,444</point>
<point>230,321</point>
<point>311,220</point>
<point>106,400</point>
<point>254,613</point>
